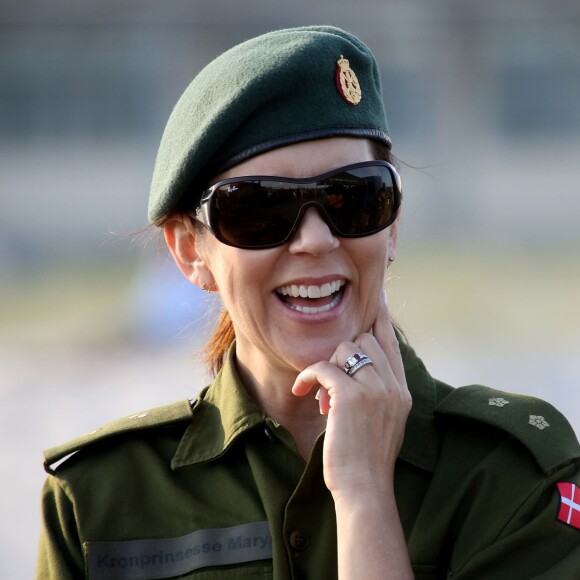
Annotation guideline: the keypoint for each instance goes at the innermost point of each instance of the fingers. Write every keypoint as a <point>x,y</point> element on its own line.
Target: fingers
<point>323,401</point>
<point>325,375</point>
<point>385,335</point>
<point>305,381</point>
<point>380,328</point>
<point>386,372</point>
<point>332,383</point>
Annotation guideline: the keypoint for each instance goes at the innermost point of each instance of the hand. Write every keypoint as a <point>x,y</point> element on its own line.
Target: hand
<point>367,412</point>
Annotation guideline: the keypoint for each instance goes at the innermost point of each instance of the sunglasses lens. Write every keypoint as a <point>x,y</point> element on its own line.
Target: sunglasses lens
<point>253,214</point>
<point>258,213</point>
<point>361,202</point>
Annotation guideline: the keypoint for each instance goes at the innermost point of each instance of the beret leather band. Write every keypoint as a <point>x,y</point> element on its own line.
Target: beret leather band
<point>270,91</point>
<point>375,134</point>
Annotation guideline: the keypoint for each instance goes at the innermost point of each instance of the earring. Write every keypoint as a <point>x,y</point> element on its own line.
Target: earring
<point>204,287</point>
<point>391,260</point>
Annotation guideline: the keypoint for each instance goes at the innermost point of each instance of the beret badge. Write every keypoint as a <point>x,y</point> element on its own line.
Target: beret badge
<point>347,83</point>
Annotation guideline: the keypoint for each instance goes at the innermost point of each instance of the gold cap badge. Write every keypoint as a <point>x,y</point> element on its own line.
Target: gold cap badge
<point>347,83</point>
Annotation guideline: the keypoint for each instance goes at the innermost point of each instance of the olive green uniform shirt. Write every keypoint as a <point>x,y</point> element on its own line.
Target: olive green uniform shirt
<point>213,489</point>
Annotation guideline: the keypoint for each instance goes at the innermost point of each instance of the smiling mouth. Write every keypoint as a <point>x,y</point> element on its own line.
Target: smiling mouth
<point>312,299</point>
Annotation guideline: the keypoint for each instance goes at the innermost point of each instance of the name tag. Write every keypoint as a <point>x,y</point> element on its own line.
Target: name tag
<point>168,557</point>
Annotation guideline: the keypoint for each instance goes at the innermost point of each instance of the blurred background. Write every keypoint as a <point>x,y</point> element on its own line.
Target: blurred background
<point>483,100</point>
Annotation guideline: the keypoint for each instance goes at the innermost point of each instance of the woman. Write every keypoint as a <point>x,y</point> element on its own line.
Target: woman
<point>305,458</point>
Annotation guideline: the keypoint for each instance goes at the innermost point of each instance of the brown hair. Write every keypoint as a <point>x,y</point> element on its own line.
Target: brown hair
<point>214,352</point>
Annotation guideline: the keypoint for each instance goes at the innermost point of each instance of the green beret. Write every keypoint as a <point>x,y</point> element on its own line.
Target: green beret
<point>276,89</point>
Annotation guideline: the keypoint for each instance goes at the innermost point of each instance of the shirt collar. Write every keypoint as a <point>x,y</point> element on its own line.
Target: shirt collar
<point>420,445</point>
<point>224,411</point>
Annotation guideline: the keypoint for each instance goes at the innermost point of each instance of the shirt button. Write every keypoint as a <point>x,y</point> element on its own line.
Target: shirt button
<point>298,540</point>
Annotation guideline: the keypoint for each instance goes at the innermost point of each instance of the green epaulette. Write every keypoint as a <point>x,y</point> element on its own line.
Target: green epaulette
<point>535,423</point>
<point>157,417</point>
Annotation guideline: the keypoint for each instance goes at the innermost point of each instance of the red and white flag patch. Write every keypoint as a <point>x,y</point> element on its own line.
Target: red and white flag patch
<point>569,504</point>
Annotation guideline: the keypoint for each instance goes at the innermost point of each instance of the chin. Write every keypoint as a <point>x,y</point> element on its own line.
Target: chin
<point>309,356</point>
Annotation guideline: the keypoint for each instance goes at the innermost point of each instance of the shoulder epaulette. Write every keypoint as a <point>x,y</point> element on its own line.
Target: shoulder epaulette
<point>535,423</point>
<point>157,417</point>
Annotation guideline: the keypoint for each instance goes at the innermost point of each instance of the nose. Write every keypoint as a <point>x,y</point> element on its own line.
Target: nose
<point>313,235</point>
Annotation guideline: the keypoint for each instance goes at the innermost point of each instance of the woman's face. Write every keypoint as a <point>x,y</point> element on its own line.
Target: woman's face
<point>275,330</point>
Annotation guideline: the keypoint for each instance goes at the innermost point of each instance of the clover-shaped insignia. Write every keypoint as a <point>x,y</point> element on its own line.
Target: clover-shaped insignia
<point>498,402</point>
<point>538,421</point>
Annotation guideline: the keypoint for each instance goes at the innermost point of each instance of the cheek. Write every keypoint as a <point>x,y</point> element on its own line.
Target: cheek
<point>371,260</point>
<point>371,255</point>
<point>236,271</point>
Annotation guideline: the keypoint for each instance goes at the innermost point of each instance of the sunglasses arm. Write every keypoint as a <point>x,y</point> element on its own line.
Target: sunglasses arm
<point>202,214</point>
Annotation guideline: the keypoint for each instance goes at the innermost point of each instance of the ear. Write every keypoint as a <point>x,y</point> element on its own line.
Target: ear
<point>182,241</point>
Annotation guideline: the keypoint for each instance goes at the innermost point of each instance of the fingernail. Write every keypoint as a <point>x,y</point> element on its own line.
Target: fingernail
<point>384,296</point>
<point>317,396</point>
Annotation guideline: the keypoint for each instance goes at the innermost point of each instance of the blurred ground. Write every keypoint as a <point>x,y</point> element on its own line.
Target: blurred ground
<point>72,356</point>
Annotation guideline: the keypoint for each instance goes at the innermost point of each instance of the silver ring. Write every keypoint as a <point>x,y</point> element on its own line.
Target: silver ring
<point>355,362</point>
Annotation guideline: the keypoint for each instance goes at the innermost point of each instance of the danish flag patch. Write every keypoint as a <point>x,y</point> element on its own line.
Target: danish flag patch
<point>569,504</point>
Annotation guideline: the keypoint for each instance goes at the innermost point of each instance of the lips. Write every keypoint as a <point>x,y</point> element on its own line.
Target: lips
<point>312,299</point>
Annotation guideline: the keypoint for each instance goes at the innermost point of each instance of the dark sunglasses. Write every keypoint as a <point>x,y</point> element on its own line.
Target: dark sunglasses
<point>263,212</point>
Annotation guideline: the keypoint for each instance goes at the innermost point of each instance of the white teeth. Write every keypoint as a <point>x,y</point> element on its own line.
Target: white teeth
<point>316,309</point>
<point>313,292</point>
<point>327,289</point>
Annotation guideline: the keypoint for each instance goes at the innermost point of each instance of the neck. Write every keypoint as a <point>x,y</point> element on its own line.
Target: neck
<point>272,391</point>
